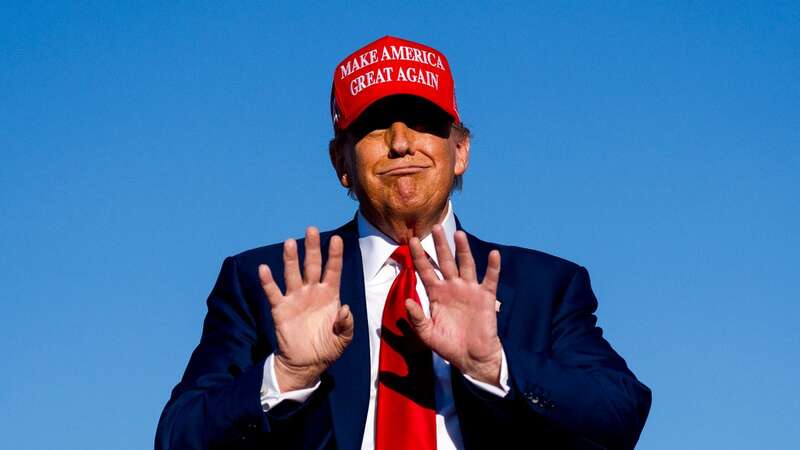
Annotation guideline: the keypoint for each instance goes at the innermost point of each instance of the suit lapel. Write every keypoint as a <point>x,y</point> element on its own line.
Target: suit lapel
<point>349,397</point>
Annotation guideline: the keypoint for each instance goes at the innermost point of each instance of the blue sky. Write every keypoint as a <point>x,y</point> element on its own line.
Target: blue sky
<point>141,143</point>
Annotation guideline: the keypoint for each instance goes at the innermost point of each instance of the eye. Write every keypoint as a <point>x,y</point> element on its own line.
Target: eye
<point>420,127</point>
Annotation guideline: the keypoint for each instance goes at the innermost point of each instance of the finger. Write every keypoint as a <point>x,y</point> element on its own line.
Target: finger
<point>333,267</point>
<point>466,265</point>
<point>446,262</point>
<point>291,268</point>
<point>271,289</point>
<point>492,272</point>
<point>422,325</point>
<point>421,263</point>
<point>312,262</point>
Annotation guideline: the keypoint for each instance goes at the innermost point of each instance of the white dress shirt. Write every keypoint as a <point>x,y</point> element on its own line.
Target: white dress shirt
<point>379,274</point>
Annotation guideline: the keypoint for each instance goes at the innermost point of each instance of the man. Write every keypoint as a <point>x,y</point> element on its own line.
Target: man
<point>401,330</point>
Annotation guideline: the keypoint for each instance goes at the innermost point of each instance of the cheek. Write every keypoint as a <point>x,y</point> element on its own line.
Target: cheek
<point>448,158</point>
<point>363,172</point>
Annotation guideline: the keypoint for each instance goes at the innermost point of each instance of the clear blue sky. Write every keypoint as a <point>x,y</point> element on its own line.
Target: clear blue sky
<point>141,144</point>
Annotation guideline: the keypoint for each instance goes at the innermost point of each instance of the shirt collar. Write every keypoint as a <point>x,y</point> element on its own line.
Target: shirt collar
<point>377,247</point>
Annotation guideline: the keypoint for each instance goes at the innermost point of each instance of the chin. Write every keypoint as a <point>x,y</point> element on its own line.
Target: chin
<point>418,204</point>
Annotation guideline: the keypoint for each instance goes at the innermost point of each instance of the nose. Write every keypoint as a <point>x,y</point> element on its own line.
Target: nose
<point>400,139</point>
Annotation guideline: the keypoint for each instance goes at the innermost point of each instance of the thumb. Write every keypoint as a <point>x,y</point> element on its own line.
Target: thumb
<point>343,327</point>
<point>421,323</point>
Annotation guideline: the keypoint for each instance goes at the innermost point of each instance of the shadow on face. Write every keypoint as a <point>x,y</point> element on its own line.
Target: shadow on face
<point>415,112</point>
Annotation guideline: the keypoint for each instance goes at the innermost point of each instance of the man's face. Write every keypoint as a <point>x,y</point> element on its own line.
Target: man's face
<point>405,158</point>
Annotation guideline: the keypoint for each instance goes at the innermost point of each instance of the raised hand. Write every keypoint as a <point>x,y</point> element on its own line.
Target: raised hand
<point>463,325</point>
<point>312,326</point>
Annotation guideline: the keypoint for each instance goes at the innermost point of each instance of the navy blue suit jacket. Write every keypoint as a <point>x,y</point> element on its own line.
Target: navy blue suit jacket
<point>569,388</point>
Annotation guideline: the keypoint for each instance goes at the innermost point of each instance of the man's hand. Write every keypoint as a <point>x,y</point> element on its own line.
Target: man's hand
<point>312,326</point>
<point>463,324</point>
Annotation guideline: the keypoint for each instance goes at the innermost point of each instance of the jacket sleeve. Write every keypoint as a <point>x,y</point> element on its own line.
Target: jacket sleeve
<point>581,390</point>
<point>217,402</point>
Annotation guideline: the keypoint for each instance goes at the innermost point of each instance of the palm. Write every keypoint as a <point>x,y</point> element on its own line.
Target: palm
<point>463,322</point>
<point>304,325</point>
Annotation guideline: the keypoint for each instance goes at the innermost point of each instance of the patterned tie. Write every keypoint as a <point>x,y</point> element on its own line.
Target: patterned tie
<point>406,414</point>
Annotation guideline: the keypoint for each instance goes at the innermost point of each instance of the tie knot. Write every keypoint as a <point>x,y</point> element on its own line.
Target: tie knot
<point>403,255</point>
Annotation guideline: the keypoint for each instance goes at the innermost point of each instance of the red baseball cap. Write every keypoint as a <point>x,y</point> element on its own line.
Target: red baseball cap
<point>390,66</point>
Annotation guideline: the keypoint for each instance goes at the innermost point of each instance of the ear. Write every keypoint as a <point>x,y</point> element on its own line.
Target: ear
<point>462,155</point>
<point>339,164</point>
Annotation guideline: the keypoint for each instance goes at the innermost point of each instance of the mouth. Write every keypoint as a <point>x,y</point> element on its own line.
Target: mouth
<point>405,170</point>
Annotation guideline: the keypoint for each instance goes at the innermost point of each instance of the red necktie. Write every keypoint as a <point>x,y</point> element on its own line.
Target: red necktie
<point>406,414</point>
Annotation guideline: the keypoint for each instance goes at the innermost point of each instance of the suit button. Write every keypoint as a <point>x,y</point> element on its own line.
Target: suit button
<point>535,399</point>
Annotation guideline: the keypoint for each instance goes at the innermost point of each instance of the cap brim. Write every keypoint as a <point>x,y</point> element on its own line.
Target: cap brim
<point>355,115</point>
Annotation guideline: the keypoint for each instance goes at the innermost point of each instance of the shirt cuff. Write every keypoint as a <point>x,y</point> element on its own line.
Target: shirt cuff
<point>505,389</point>
<point>271,393</point>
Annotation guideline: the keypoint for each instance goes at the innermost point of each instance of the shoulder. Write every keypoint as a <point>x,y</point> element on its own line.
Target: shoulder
<point>241,269</point>
<point>272,254</point>
<point>520,263</point>
<point>521,255</point>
